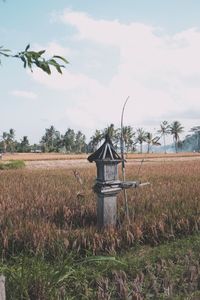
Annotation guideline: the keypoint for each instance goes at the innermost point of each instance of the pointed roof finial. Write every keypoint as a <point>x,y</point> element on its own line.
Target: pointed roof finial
<point>105,152</point>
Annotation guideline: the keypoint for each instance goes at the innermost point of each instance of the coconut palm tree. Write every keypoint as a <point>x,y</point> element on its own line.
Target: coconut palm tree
<point>51,139</point>
<point>163,131</point>
<point>196,131</point>
<point>50,133</point>
<point>140,137</point>
<point>8,140</point>
<point>80,142</point>
<point>151,141</point>
<point>113,133</point>
<point>128,136</point>
<point>96,139</point>
<point>110,130</point>
<point>69,140</point>
<point>5,142</point>
<point>175,129</point>
<point>24,144</point>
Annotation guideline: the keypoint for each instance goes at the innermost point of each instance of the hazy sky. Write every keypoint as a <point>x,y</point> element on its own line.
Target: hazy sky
<point>148,50</point>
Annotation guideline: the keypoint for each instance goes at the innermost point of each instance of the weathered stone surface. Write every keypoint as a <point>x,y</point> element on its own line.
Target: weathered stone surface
<point>106,210</point>
<point>2,288</point>
<point>107,170</point>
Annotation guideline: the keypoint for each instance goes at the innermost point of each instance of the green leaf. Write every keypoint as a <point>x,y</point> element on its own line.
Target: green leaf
<point>32,54</point>
<point>5,50</point>
<point>45,67</point>
<point>58,69</point>
<point>30,58</point>
<point>102,259</point>
<point>53,62</point>
<point>62,58</point>
<point>27,47</point>
<point>24,61</point>
<point>4,54</point>
<point>41,52</point>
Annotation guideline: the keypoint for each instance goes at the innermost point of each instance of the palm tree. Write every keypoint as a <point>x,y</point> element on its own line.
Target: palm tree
<point>11,139</point>
<point>96,139</point>
<point>196,131</point>
<point>128,136</point>
<point>163,131</point>
<point>8,140</point>
<point>151,141</point>
<point>69,139</point>
<point>50,133</point>
<point>24,144</point>
<point>5,142</point>
<point>51,139</point>
<point>175,129</point>
<point>141,137</point>
<point>113,133</point>
<point>80,142</point>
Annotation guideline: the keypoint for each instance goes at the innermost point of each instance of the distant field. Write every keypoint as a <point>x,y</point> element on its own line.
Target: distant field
<point>42,156</point>
<point>62,156</point>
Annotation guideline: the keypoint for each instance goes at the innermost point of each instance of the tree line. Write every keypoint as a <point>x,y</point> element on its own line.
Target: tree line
<point>138,140</point>
<point>134,140</point>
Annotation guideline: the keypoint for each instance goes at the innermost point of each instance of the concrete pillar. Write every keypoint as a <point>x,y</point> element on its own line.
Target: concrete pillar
<point>2,288</point>
<point>106,210</point>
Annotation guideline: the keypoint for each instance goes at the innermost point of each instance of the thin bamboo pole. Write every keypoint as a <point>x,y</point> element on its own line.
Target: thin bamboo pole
<point>123,160</point>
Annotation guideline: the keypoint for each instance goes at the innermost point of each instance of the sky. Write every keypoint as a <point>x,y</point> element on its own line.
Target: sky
<point>147,50</point>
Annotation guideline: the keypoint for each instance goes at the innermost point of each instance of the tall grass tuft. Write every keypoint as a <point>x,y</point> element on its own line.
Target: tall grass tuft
<point>13,164</point>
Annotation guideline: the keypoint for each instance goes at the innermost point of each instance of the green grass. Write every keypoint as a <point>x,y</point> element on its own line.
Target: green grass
<point>168,271</point>
<point>13,164</point>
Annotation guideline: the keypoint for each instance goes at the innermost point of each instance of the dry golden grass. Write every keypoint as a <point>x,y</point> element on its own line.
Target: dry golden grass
<point>49,212</point>
<point>63,156</point>
<point>163,156</point>
<point>41,156</point>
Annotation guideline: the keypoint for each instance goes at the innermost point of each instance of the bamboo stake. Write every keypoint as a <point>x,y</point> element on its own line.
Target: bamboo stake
<point>122,155</point>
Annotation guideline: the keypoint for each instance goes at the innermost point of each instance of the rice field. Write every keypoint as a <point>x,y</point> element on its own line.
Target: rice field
<point>42,210</point>
<point>42,156</point>
<point>68,156</point>
<point>46,214</point>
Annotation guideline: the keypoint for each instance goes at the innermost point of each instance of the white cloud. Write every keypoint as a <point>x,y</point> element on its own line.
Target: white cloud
<point>158,71</point>
<point>24,94</point>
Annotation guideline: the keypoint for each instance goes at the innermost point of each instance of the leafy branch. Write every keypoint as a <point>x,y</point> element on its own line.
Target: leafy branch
<point>36,58</point>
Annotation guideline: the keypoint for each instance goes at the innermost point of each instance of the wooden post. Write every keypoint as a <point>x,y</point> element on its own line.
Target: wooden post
<point>2,288</point>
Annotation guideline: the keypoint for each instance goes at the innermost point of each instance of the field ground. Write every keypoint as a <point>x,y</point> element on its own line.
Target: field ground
<point>71,161</point>
<point>169,271</point>
<point>63,156</point>
<point>41,156</point>
<point>51,249</point>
